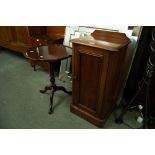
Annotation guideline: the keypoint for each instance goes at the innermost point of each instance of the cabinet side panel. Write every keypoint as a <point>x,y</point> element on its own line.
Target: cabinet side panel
<point>113,81</point>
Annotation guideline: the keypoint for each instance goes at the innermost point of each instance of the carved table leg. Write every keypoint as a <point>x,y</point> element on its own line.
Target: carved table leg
<point>53,87</point>
<point>45,89</point>
<point>63,89</point>
<point>51,102</point>
<point>34,67</point>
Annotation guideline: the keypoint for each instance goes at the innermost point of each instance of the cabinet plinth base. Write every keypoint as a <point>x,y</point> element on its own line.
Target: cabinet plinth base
<point>90,118</point>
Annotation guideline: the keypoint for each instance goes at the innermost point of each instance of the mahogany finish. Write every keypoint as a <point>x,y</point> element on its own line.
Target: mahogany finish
<point>97,69</point>
<point>5,33</point>
<point>51,54</point>
<point>19,38</point>
<point>35,42</point>
<point>16,38</point>
<point>56,32</point>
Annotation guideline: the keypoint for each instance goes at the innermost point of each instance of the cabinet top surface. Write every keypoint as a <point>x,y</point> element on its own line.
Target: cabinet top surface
<point>112,41</point>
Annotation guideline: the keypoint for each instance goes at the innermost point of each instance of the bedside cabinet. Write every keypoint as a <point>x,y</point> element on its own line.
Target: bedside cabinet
<point>97,68</point>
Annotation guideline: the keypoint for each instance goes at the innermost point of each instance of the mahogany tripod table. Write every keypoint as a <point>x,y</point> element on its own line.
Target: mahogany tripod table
<point>52,54</point>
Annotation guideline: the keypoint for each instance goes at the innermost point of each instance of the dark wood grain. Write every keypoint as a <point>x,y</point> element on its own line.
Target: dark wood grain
<point>5,33</point>
<point>16,38</point>
<point>55,32</point>
<point>97,69</point>
<point>21,38</point>
<point>51,54</point>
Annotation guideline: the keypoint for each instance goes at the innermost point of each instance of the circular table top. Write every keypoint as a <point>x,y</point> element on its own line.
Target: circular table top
<point>52,52</point>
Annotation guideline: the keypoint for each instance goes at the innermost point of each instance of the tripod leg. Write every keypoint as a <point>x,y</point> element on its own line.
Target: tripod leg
<point>51,101</point>
<point>45,89</point>
<point>53,86</point>
<point>63,89</point>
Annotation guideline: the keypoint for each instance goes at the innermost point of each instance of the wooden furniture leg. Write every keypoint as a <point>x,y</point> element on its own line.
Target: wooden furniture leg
<point>34,67</point>
<point>45,89</point>
<point>53,87</point>
<point>63,89</point>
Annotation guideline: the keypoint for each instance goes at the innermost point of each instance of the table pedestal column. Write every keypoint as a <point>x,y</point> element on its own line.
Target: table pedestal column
<point>53,87</point>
